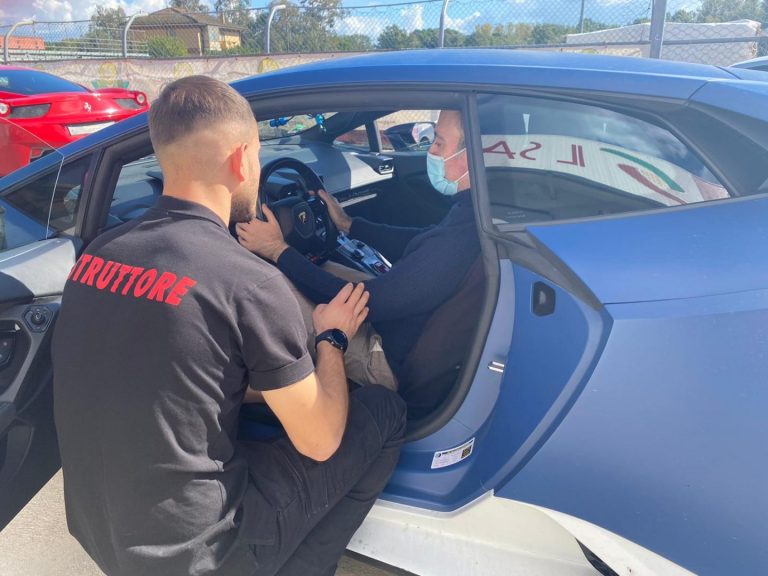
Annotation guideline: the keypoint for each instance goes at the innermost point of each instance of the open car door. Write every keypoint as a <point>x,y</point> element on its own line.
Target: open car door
<point>38,207</point>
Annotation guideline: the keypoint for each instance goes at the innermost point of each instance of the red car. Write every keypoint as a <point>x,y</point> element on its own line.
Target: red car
<point>52,112</point>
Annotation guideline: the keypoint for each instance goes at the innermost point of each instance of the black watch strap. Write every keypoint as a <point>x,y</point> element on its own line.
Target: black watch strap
<point>334,337</point>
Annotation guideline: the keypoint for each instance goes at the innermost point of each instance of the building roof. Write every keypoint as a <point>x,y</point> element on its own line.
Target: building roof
<point>176,18</point>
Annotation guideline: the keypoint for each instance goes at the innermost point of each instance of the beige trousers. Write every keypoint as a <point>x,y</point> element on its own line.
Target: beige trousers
<point>364,359</point>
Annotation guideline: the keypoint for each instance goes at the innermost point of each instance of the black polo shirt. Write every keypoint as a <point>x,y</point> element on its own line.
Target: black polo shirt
<point>164,322</point>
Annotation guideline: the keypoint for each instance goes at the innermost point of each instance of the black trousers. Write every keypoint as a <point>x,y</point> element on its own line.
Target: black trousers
<point>317,506</point>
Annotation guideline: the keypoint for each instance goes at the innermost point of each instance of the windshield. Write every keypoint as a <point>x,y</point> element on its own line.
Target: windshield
<point>31,82</point>
<point>285,126</point>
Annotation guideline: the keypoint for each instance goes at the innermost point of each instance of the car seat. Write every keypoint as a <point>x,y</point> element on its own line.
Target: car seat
<point>431,368</point>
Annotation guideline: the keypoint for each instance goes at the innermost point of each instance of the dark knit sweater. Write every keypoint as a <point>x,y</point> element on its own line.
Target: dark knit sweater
<point>429,266</point>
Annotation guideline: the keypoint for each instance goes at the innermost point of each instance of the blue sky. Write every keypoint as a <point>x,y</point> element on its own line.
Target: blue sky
<point>371,16</point>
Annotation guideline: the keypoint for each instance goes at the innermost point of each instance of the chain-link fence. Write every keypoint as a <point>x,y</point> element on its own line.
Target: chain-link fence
<point>694,31</point>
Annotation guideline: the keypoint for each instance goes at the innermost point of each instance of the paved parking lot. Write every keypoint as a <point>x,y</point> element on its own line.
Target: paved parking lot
<point>36,543</point>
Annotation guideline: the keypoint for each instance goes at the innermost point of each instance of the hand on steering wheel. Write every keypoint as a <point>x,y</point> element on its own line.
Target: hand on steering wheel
<point>340,218</point>
<point>262,237</point>
<point>304,219</point>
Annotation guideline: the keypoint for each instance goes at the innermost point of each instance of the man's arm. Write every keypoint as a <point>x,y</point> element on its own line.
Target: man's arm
<point>313,411</point>
<point>416,284</point>
<point>389,240</point>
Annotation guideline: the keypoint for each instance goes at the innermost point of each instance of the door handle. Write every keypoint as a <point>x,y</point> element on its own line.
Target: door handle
<point>543,303</point>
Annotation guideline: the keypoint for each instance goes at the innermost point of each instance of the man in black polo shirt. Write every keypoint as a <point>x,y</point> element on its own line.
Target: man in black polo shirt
<point>166,325</point>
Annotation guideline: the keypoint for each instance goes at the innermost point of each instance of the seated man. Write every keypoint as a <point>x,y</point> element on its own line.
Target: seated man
<point>429,264</point>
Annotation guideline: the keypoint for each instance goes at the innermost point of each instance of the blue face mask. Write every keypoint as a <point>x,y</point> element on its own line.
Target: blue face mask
<point>436,173</point>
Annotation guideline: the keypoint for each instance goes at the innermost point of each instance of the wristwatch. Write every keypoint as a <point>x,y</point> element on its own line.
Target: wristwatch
<point>334,337</point>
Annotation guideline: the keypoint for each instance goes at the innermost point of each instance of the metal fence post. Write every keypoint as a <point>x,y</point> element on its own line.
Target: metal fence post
<point>125,32</point>
<point>658,18</point>
<point>272,11</point>
<point>581,17</point>
<point>8,38</point>
<point>443,17</point>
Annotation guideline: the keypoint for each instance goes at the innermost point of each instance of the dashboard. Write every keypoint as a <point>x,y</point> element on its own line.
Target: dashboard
<point>347,174</point>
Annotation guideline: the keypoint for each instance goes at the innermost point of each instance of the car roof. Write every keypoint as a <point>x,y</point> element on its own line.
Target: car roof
<point>9,67</point>
<point>759,61</point>
<point>486,68</point>
<point>495,67</point>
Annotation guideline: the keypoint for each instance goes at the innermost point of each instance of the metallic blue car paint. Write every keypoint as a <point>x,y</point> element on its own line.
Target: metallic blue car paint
<point>549,362</point>
<point>712,248</point>
<point>414,482</point>
<point>664,441</point>
<point>746,98</point>
<point>666,444</point>
<point>533,69</point>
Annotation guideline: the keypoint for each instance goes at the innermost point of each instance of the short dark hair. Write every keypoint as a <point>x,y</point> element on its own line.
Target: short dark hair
<point>193,102</point>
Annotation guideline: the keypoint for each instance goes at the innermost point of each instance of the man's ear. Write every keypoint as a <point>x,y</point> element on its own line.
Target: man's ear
<point>237,162</point>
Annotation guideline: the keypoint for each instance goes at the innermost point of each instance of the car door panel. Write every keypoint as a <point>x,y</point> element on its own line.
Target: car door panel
<point>665,255</point>
<point>21,278</point>
<point>657,446</point>
<point>38,209</point>
<point>31,281</point>
<point>553,351</point>
<point>654,447</point>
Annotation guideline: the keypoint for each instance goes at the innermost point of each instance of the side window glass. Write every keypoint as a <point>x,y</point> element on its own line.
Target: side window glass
<point>356,139</point>
<point>407,130</point>
<point>44,207</point>
<point>139,185</point>
<point>550,160</point>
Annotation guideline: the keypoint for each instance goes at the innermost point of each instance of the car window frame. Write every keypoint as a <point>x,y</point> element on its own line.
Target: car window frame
<point>636,108</point>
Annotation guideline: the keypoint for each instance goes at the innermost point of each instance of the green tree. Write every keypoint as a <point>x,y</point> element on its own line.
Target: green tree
<point>105,30</point>
<point>728,10</point>
<point>189,5</point>
<point>108,18</point>
<point>353,43</point>
<point>682,15</point>
<point>166,47</point>
<point>303,27</point>
<point>233,11</point>
<point>453,38</point>
<point>425,38</point>
<point>500,35</point>
<point>393,38</point>
<point>591,26</point>
<point>549,33</point>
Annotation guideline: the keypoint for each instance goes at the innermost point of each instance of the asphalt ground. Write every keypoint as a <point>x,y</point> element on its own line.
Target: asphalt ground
<point>37,543</point>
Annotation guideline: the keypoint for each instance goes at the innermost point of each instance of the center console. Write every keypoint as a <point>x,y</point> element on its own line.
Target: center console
<point>359,255</point>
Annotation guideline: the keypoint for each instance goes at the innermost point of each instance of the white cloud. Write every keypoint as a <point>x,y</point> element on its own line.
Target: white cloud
<point>370,26</point>
<point>414,17</point>
<point>614,2</point>
<point>461,24</point>
<point>69,10</point>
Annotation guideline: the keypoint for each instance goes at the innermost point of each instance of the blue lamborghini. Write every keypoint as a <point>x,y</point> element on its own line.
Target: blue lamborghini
<point>604,408</point>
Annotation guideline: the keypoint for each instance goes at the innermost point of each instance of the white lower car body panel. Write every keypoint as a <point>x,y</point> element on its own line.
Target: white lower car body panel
<point>497,537</point>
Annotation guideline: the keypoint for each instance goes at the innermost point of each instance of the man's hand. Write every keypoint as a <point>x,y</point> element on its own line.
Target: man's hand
<point>339,217</point>
<point>346,311</point>
<point>262,238</point>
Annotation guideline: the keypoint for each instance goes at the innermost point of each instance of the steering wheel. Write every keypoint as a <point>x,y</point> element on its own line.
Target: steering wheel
<point>304,219</point>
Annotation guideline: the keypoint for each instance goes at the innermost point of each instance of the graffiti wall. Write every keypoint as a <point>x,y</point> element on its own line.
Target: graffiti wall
<point>150,76</point>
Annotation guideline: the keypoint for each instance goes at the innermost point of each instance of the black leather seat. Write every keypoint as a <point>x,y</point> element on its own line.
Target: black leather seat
<point>434,363</point>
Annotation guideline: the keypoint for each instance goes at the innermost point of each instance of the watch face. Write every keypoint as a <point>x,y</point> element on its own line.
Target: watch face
<point>335,338</point>
<point>340,338</point>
